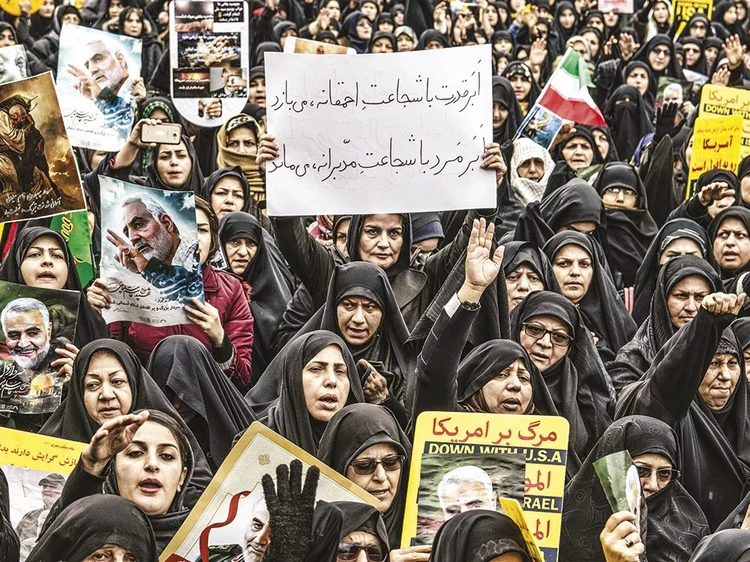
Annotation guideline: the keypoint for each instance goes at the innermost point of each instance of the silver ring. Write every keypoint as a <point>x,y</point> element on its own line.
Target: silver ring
<point>628,542</point>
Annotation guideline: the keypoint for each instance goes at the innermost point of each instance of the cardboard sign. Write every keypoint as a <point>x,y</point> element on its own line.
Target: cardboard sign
<point>684,10</point>
<point>723,101</point>
<point>462,455</point>
<point>220,520</point>
<point>716,145</point>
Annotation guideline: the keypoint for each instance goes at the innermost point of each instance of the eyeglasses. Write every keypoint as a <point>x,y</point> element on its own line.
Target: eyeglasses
<point>661,52</point>
<point>627,192</point>
<point>368,466</point>
<point>348,551</point>
<point>693,51</point>
<point>662,474</point>
<point>538,332</point>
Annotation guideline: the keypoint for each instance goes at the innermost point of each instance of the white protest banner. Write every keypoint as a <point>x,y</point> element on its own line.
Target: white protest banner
<point>379,133</point>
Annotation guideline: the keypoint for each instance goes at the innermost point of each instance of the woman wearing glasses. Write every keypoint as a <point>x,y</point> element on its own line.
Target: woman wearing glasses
<point>675,522</point>
<point>363,534</point>
<point>553,333</point>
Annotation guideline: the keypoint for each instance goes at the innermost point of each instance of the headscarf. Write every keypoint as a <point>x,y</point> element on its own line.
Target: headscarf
<point>674,522</point>
<point>9,543</point>
<point>518,67</point>
<point>628,120</point>
<point>405,30</point>
<point>184,368</point>
<point>431,35</point>
<point>260,55</point>
<point>72,421</point>
<point>645,278</point>
<point>356,428</point>
<point>731,545</point>
<point>145,110</point>
<point>741,329</point>
<point>635,357</point>
<point>611,155</point>
<point>425,226</point>
<point>673,70</point>
<point>525,253</point>
<point>603,310</point>
<point>741,214</point>
<point>90,325</point>
<point>650,96</point>
<point>578,383</point>
<point>250,206</point>
<point>382,35</point>
<point>629,232</point>
<point>195,179</point>
<point>478,535</point>
<point>289,416</point>
<point>502,93</point>
<point>700,65</point>
<point>88,524</point>
<point>228,158</point>
<point>271,282</point>
<point>363,517</point>
<point>349,31</point>
<point>653,28</point>
<point>404,258</point>
<point>524,190</point>
<point>560,33</point>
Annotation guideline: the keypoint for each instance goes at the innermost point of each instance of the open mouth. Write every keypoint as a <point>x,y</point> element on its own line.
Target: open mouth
<point>150,486</point>
<point>511,405</point>
<point>380,494</point>
<point>47,275</point>
<point>329,401</point>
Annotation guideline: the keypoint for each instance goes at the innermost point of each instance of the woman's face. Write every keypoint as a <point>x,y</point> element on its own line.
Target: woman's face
<point>638,79</point>
<point>364,539</point>
<point>502,64</point>
<point>111,553</point>
<point>115,7</point>
<point>386,26</point>
<point>546,339</point>
<point>204,234</point>
<point>520,283</point>
<point>47,9</point>
<point>521,86</point>
<point>745,189</point>
<point>620,197</point>
<point>149,471</point>
<point>364,29</point>
<point>398,18</point>
<point>596,23</point>
<point>503,45</point>
<point>692,54</point>
<point>661,13</point>
<point>732,244</point>
<point>720,380</point>
<point>382,45</point>
<point>6,38</point>
<point>659,57</point>
<point>499,115</point>
<point>578,153</point>
<point>44,265</point>
<point>133,26</point>
<point>256,91</point>
<point>580,5</point>
<point>685,298</point>
<point>106,388</point>
<point>567,19</point>
<point>71,18</point>
<point>227,196</point>
<point>680,247</point>
<point>602,142</point>
<point>491,14</point>
<point>358,319</point>
<point>510,391</point>
<point>746,357</point>
<point>434,44</point>
<point>381,240</point>
<point>593,40</point>
<point>611,19</point>
<point>710,53</point>
<point>243,141</point>
<point>240,253</point>
<point>730,16</point>
<point>698,30</point>
<point>381,482</point>
<point>370,9</point>
<point>574,270</point>
<point>659,470</point>
<point>334,10</point>
<point>173,165</point>
<point>404,43</point>
<point>325,383</point>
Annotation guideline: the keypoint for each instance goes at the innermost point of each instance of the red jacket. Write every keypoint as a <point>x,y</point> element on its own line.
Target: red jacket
<point>225,292</point>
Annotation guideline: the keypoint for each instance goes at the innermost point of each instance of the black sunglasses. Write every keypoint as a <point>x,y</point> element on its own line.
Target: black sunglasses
<point>368,466</point>
<point>348,551</point>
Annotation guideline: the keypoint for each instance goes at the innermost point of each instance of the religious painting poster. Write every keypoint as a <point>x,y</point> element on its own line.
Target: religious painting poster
<point>38,173</point>
<point>33,323</point>
<point>95,77</point>
<point>385,133</point>
<point>209,59</point>
<point>460,458</point>
<point>541,126</point>
<point>149,255</point>
<point>220,523</point>
<point>13,64</point>
<point>36,467</point>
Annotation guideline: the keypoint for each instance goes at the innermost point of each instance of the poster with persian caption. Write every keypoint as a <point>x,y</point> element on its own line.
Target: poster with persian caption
<point>38,173</point>
<point>96,71</point>
<point>384,133</point>
<point>209,59</point>
<point>487,457</point>
<point>35,322</point>
<point>230,520</point>
<point>149,256</point>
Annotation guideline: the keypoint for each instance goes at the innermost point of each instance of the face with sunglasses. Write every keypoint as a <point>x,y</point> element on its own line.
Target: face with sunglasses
<point>377,470</point>
<point>361,546</point>
<point>659,57</point>
<point>655,471</point>
<point>546,339</point>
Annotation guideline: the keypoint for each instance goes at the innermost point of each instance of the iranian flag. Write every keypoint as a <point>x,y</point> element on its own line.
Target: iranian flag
<point>567,92</point>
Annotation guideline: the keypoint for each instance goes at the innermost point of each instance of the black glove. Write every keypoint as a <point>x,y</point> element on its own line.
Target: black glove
<point>665,120</point>
<point>291,511</point>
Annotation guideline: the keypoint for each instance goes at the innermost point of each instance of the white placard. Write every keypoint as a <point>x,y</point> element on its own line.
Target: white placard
<point>380,133</point>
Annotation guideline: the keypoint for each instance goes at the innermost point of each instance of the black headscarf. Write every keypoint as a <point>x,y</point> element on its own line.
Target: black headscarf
<point>517,67</point>
<point>650,96</point>
<point>635,357</point>
<point>363,517</point>
<point>478,535</point>
<point>741,329</point>
<point>349,31</point>
<point>195,179</point>
<point>731,545</point>
<point>356,428</point>
<point>603,310</point>
<point>629,232</point>
<point>741,214</point>
<point>9,544</point>
<point>355,233</point>
<point>383,35</point>
<point>88,524</point>
<point>184,368</point>
<point>289,416</point>
<point>673,70</point>
<point>628,121</point>
<point>431,35</point>
<point>386,348</point>
<point>558,33</point>
<point>502,93</point>
<point>72,421</point>
<point>675,522</point>
<point>269,277</point>
<point>525,253</point>
<point>578,383</point>
<point>700,65</point>
<point>611,155</point>
<point>90,325</point>
<point>645,278</point>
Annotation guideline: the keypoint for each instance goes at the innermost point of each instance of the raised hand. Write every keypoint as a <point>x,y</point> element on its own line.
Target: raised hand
<point>482,266</point>
<point>111,438</point>
<point>735,51</point>
<point>492,159</point>
<point>620,539</point>
<point>714,191</point>
<point>127,255</point>
<point>85,83</point>
<point>723,303</point>
<point>98,295</point>
<point>267,150</point>
<point>207,318</point>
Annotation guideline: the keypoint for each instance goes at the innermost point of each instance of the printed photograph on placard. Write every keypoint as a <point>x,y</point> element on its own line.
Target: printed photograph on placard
<point>96,74</point>
<point>13,63</point>
<point>38,173</point>
<point>34,323</point>
<point>149,255</point>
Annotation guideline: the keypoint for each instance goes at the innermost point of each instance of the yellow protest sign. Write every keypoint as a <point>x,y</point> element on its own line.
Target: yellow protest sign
<point>487,457</point>
<point>723,101</point>
<point>36,467</point>
<point>684,10</point>
<point>716,145</point>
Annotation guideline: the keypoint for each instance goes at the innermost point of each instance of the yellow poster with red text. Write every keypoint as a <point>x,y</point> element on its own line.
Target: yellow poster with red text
<point>723,101</point>
<point>716,145</point>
